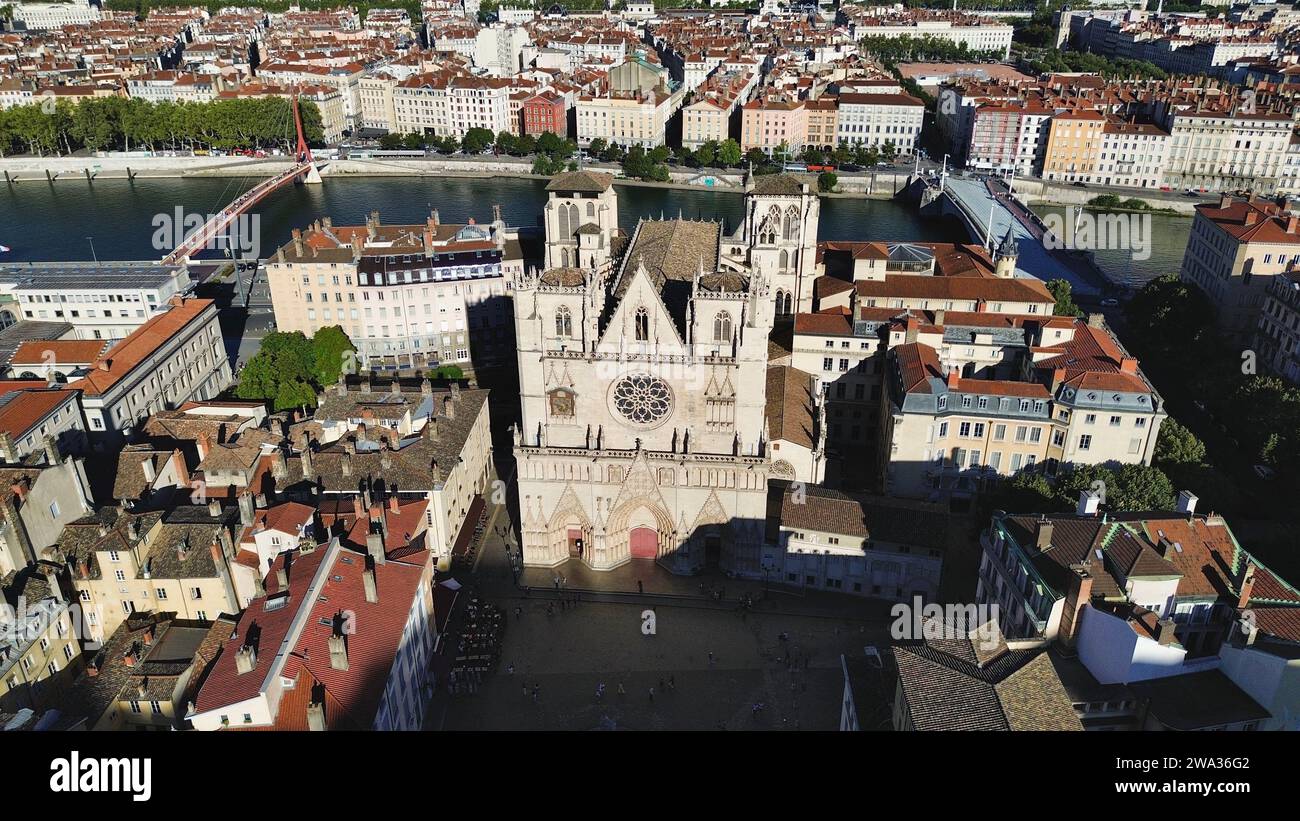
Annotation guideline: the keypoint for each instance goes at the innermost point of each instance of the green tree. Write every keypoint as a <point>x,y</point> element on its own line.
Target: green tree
<point>1176,445</point>
<point>507,143</point>
<point>826,181</point>
<point>596,147</point>
<point>1064,293</point>
<point>332,351</point>
<point>729,153</point>
<point>477,140</point>
<point>294,393</point>
<point>1026,492</point>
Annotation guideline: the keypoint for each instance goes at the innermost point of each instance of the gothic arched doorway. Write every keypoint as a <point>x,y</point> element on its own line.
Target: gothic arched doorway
<point>643,543</point>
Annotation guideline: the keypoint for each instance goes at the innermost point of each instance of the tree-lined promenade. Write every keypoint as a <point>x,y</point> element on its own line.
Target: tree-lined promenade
<point>50,127</point>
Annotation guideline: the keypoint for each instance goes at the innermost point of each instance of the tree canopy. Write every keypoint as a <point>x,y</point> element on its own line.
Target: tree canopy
<point>289,369</point>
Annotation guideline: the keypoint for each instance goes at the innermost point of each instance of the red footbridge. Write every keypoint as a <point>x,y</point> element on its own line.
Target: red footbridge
<point>304,170</point>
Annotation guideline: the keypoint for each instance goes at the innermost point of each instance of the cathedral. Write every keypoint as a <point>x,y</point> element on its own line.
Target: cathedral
<point>650,413</point>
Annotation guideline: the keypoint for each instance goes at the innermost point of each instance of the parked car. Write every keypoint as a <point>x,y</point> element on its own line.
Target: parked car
<point>1109,302</point>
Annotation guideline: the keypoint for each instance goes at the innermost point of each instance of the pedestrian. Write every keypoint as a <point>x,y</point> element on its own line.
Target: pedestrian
<point>536,690</point>
<point>671,684</point>
<point>621,690</point>
<point>600,690</point>
<point>519,613</point>
<point>710,658</point>
<point>652,694</point>
<point>557,582</point>
<point>525,689</point>
<point>510,669</point>
<point>640,588</point>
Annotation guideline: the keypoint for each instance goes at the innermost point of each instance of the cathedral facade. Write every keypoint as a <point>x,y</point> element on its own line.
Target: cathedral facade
<point>643,364</point>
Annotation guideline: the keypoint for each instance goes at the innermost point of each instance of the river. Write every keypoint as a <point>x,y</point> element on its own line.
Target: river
<point>40,221</point>
<point>116,218</point>
<point>1167,235</point>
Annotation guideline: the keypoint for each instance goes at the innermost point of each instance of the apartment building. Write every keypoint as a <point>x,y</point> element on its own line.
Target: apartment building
<point>40,654</point>
<point>363,631</point>
<point>181,560</point>
<point>546,112</point>
<point>1236,248</point>
<point>407,295</point>
<point>1133,155</point>
<point>443,466</point>
<point>451,106</point>
<point>1055,391</point>
<point>1074,143</point>
<point>32,417</point>
<point>1156,601</point>
<point>345,78</point>
<point>100,300</point>
<point>1226,149</point>
<point>146,674</point>
<point>773,123</point>
<point>873,547</point>
<point>876,119</point>
<point>176,356</point>
<point>497,48</point>
<point>627,118</point>
<point>1009,136</point>
<point>376,92</point>
<point>978,34</point>
<point>48,16</point>
<point>1277,337</point>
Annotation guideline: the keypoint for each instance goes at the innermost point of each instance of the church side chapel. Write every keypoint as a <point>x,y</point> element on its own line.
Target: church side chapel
<point>651,418</point>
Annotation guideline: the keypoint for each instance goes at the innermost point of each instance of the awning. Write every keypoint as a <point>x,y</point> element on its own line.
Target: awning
<point>467,528</point>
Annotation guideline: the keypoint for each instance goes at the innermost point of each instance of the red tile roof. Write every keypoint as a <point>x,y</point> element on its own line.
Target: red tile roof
<point>141,344</point>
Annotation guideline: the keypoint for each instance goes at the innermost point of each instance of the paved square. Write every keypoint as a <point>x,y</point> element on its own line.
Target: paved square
<point>568,654</point>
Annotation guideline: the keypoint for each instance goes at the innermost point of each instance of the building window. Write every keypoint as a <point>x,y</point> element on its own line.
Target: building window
<point>642,325</point>
<point>563,322</point>
<point>722,327</point>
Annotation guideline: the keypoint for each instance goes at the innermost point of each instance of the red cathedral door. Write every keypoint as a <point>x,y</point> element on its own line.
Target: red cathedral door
<point>644,542</point>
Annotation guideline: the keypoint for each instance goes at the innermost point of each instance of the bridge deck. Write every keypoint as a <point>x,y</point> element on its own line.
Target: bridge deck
<point>974,199</point>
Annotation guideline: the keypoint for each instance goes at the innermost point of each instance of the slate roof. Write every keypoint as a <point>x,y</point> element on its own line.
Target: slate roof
<point>882,518</point>
<point>948,685</point>
<point>673,252</point>
<point>791,416</point>
<point>583,182</point>
<point>779,185</point>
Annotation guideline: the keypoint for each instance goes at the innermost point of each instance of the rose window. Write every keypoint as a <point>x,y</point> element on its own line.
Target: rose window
<point>642,399</point>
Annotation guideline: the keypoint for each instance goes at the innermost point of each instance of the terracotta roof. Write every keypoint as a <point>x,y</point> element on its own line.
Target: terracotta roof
<point>142,343</point>
<point>64,351</point>
<point>23,410</point>
<point>589,182</point>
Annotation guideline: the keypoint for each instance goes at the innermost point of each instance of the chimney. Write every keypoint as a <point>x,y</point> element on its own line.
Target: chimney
<point>361,432</point>
<point>1165,632</point>
<point>358,509</point>
<point>1087,503</point>
<point>214,508</point>
<point>92,667</point>
<point>1252,217</point>
<point>953,376</point>
<point>345,463</point>
<point>131,657</point>
<point>316,716</point>
<point>308,471</point>
<point>246,509</point>
<point>1128,364</point>
<point>375,545</point>
<point>426,387</point>
<point>1187,502</point>
<point>392,503</point>
<point>1292,223</point>
<point>1076,598</point>
<point>365,384</point>
<point>202,444</point>
<point>448,407</point>
<point>939,316</point>
<point>912,329</point>
<point>7,450</point>
<point>1225,200</point>
<point>395,387</point>
<point>52,581</point>
<point>1096,320</point>
<point>1043,534</point>
<point>245,659</point>
<point>282,577</point>
<point>338,646</point>
<point>368,579</point>
<point>52,455</point>
<point>455,390</point>
<point>297,242</point>
<point>1247,587</point>
<point>433,426</point>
